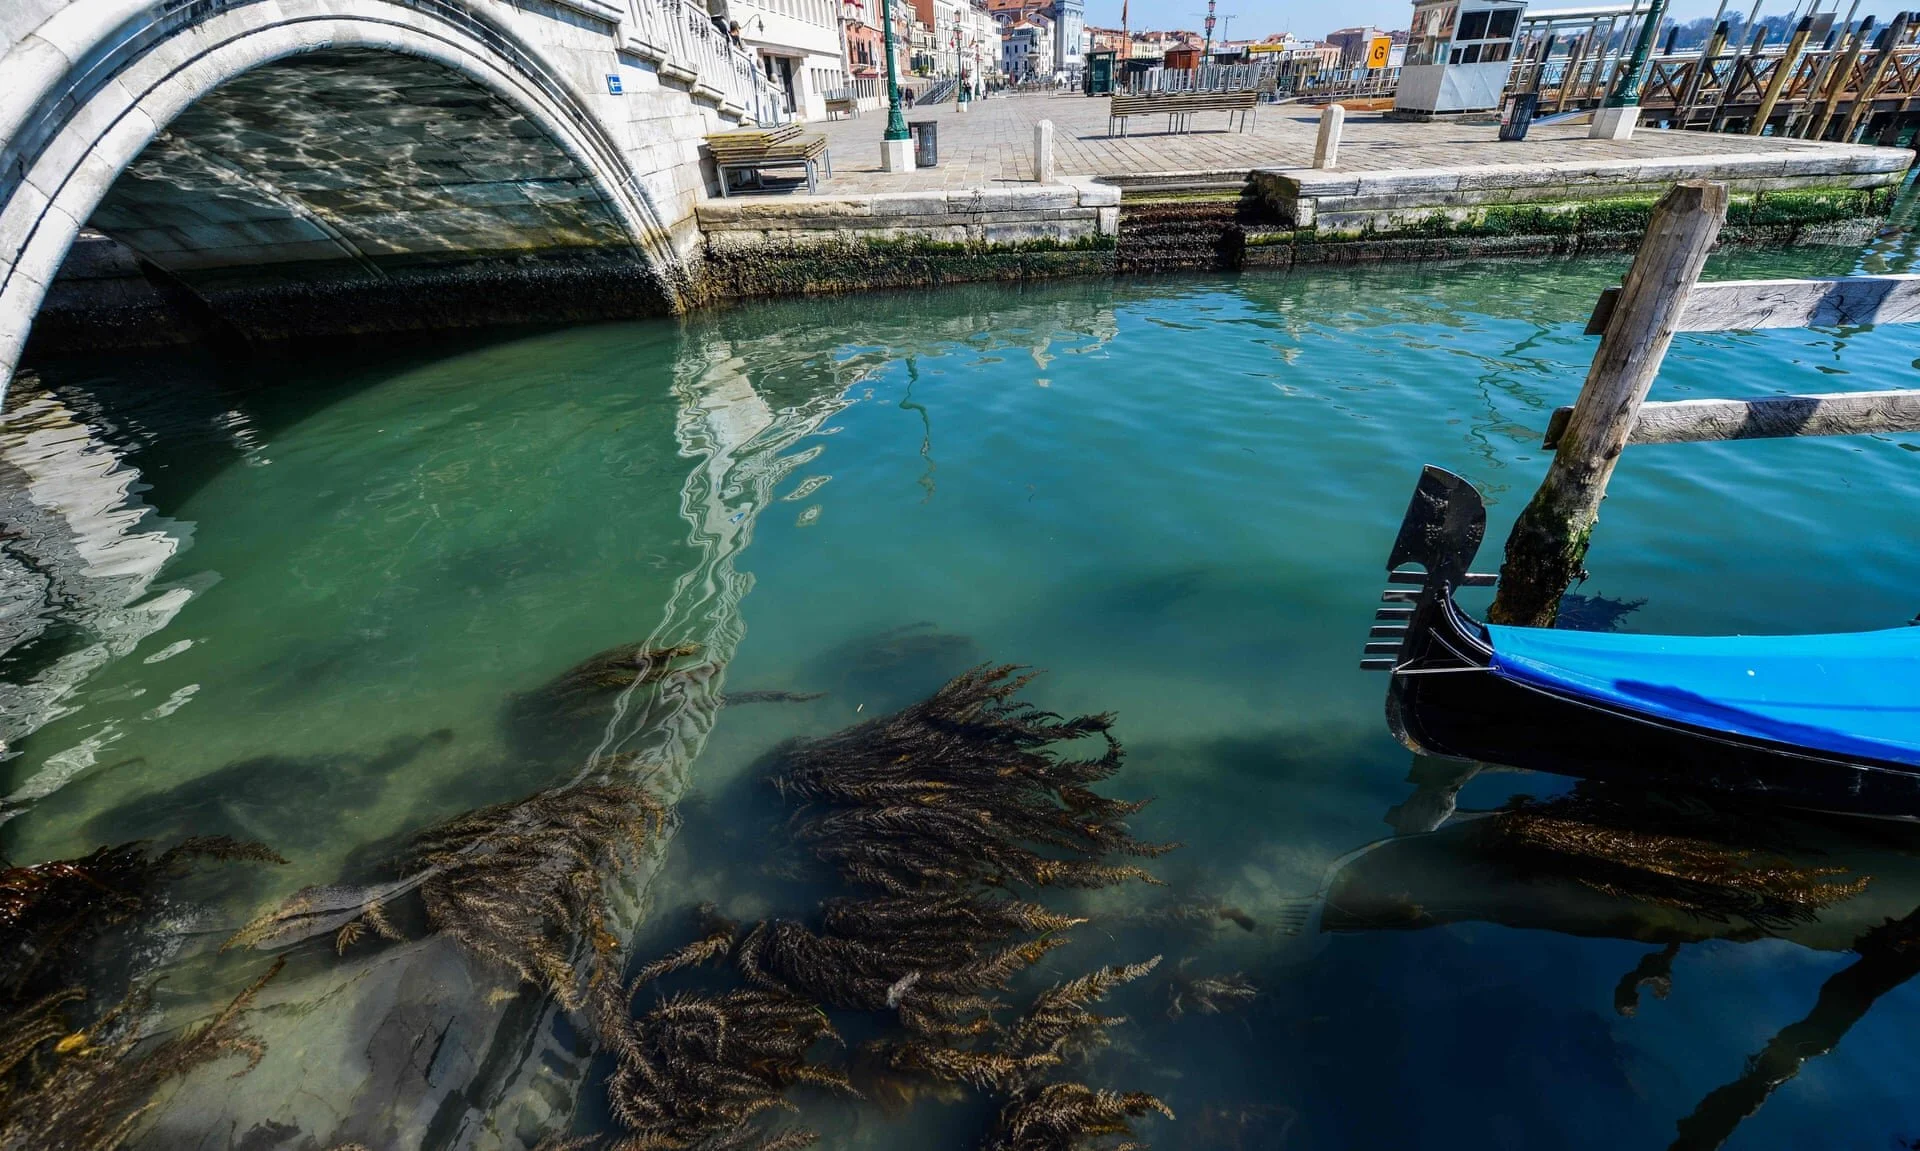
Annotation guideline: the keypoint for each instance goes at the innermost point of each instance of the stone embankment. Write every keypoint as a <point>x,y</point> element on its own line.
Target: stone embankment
<point>1275,218</point>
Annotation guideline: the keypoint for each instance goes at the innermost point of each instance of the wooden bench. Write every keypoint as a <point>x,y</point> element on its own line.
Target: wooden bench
<point>808,152</point>
<point>1179,107</point>
<point>838,106</point>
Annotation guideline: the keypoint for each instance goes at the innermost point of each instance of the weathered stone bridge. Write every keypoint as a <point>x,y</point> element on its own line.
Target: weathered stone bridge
<point>250,163</point>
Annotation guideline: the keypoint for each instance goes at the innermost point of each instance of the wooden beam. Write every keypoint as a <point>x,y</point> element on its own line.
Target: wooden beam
<point>1740,305</point>
<point>1863,100</point>
<point>1782,71</point>
<point>1770,417</point>
<point>1547,549</point>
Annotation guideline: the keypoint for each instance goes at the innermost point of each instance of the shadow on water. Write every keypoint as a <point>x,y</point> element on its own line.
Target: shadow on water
<point>249,799</point>
<point>1674,870</point>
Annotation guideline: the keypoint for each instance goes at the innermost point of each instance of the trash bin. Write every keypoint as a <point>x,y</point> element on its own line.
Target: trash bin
<point>1517,116</point>
<point>926,142</point>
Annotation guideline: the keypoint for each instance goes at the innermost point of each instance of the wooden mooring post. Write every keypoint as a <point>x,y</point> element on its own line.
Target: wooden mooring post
<point>1636,322</point>
<point>1548,548</point>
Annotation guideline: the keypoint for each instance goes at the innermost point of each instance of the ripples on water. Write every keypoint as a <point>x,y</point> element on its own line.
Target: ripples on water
<point>305,602</point>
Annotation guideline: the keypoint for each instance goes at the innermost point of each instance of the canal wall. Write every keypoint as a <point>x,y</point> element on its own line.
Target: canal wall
<point>1156,222</point>
<point>1829,196</point>
<point>755,246</point>
<point>764,246</point>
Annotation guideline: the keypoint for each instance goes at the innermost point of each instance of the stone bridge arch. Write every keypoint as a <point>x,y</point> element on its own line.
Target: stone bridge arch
<point>378,163</point>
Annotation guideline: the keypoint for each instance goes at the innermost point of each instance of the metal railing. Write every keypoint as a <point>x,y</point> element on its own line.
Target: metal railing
<point>1334,83</point>
<point>1261,77</point>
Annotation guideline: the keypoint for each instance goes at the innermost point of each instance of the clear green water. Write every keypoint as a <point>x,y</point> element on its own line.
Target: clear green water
<point>307,598</point>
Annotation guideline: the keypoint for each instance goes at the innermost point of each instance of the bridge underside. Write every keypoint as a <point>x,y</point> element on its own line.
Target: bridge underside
<point>345,192</point>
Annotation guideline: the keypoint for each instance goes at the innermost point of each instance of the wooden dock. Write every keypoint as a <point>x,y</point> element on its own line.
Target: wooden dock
<point>1662,295</point>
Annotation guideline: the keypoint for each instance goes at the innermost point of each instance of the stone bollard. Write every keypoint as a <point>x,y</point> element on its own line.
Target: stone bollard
<point>1043,152</point>
<point>896,155</point>
<point>1326,150</point>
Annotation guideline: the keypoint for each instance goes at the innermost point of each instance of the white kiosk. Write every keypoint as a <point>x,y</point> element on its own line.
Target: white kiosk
<point>1458,56</point>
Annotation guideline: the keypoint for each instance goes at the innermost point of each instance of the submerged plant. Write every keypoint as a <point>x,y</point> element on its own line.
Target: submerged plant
<point>936,812</point>
<point>698,1070</point>
<point>521,884</point>
<point>50,911</point>
<point>1062,1116</point>
<point>581,688</point>
<point>81,1085</point>
<point>1706,864</point>
<point>88,1091</point>
<point>960,789</point>
<point>1207,994</point>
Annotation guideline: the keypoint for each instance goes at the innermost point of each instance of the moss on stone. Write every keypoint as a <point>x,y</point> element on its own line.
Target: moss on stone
<point>1778,217</point>
<point>852,263</point>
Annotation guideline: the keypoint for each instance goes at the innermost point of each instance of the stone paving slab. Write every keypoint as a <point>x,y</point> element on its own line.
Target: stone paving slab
<point>993,144</point>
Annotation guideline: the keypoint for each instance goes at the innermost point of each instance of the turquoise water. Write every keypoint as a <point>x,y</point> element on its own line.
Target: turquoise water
<point>295,600</point>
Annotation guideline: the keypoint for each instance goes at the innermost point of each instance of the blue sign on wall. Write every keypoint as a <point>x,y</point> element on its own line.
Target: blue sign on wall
<point>613,84</point>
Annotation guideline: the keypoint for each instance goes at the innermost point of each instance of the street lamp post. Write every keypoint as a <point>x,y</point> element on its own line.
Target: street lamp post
<point>1617,115</point>
<point>896,150</point>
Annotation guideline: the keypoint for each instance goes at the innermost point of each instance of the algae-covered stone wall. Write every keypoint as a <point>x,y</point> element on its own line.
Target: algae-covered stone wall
<point>1781,217</point>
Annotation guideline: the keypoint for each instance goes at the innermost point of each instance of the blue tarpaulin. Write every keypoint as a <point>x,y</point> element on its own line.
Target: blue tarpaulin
<point>1855,695</point>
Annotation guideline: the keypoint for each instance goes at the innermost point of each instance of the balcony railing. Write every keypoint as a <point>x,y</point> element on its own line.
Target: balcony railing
<point>683,40</point>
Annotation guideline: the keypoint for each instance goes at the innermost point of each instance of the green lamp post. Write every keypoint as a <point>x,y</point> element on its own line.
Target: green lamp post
<point>896,119</point>
<point>1620,111</point>
<point>1626,91</point>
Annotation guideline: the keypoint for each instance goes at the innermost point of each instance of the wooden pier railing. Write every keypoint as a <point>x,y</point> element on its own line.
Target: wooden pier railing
<point>1866,84</point>
<point>1660,296</point>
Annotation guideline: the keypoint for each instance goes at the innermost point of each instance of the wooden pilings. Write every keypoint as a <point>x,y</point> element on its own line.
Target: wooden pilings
<point>1876,75</point>
<point>1842,76</point>
<point>1782,71</point>
<point>1547,550</point>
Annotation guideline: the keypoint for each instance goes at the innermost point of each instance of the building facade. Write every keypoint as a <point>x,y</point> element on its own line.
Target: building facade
<point>798,44</point>
<point>1026,48</point>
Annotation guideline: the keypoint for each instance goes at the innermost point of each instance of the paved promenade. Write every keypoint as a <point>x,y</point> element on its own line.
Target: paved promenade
<point>993,144</point>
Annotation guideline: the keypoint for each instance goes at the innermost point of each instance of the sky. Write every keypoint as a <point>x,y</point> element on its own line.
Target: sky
<point>1312,18</point>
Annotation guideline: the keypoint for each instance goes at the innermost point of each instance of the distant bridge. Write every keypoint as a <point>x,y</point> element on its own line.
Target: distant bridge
<point>387,156</point>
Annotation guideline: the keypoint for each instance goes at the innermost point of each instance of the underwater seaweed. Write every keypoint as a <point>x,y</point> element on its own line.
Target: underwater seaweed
<point>49,911</point>
<point>1062,1116</point>
<point>1207,994</point>
<point>717,934</point>
<point>698,1070</point>
<point>935,812</point>
<point>960,789</point>
<point>90,1090</point>
<point>1713,865</point>
<point>737,698</point>
<point>522,883</point>
<point>583,686</point>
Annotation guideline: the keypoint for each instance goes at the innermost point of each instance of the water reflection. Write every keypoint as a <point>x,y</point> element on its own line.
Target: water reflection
<point>436,584</point>
<point>1665,869</point>
<point>341,1026</point>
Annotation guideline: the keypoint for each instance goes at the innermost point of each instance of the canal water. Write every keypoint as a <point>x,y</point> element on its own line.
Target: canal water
<point>304,601</point>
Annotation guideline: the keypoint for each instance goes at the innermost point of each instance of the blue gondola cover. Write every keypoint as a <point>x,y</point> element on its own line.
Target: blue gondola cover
<point>1856,694</point>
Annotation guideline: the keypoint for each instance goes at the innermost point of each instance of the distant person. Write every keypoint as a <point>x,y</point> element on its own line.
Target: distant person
<point>906,95</point>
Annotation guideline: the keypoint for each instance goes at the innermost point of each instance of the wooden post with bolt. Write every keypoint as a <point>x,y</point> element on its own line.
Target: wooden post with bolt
<point>1548,546</point>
